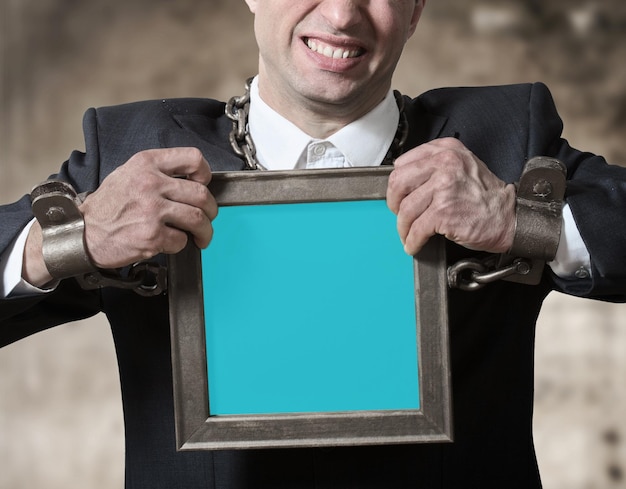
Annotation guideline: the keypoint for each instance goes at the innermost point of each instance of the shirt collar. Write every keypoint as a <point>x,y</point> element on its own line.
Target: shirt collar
<point>280,144</point>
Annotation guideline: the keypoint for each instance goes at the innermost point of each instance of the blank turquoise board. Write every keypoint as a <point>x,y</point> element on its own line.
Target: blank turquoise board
<point>309,308</point>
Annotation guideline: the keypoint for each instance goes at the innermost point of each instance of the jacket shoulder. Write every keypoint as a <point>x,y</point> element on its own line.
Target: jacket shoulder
<point>503,125</point>
<point>451,100</point>
<point>154,110</point>
<point>120,131</point>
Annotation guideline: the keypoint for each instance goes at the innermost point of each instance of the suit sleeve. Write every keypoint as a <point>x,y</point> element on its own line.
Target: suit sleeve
<point>596,194</point>
<point>21,317</point>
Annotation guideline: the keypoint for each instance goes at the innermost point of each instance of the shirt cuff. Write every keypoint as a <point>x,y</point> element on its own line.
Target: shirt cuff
<point>12,285</point>
<point>572,260</point>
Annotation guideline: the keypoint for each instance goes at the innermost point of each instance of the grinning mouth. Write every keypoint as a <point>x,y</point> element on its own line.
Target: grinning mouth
<point>332,51</point>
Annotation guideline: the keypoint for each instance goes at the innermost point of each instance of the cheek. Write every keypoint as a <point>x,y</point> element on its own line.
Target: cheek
<point>395,19</point>
<point>265,32</point>
<point>272,29</point>
<point>390,33</point>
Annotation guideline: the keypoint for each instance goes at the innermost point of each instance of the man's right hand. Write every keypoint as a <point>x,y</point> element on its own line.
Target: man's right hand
<point>147,206</point>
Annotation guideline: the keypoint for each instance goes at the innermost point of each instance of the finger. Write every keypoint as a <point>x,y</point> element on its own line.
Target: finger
<point>412,207</point>
<point>190,219</point>
<point>421,152</point>
<point>427,151</point>
<point>405,180</point>
<point>414,168</point>
<point>176,162</point>
<point>203,240</point>
<point>421,230</point>
<point>191,193</point>
<point>171,241</point>
<point>141,241</point>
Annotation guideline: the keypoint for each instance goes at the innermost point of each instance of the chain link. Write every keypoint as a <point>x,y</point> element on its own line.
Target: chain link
<point>473,274</point>
<point>145,278</point>
<point>237,110</point>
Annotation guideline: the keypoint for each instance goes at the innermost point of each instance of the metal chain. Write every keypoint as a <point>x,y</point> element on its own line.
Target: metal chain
<point>238,109</point>
<point>145,278</point>
<point>473,274</point>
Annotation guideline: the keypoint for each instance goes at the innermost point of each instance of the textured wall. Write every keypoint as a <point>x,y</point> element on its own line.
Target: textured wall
<point>60,414</point>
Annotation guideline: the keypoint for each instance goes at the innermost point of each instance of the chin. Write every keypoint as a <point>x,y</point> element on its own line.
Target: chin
<point>332,91</point>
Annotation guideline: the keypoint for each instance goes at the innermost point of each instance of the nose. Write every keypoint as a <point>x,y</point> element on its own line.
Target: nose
<point>341,14</point>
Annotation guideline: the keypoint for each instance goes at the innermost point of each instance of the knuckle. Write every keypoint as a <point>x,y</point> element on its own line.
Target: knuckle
<point>203,194</point>
<point>196,217</point>
<point>450,158</point>
<point>396,183</point>
<point>150,238</point>
<point>142,159</point>
<point>452,170</point>
<point>146,183</point>
<point>452,143</point>
<point>195,156</point>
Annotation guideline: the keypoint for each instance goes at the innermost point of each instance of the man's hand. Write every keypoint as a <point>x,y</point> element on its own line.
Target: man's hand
<point>148,205</point>
<point>443,188</point>
<point>145,207</point>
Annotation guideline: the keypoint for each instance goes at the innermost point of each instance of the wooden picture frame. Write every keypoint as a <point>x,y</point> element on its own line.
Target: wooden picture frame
<point>218,407</point>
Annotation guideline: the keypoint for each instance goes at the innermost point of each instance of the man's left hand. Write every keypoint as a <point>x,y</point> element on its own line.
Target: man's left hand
<point>441,187</point>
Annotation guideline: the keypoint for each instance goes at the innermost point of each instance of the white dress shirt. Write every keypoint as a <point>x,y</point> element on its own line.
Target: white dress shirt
<point>281,145</point>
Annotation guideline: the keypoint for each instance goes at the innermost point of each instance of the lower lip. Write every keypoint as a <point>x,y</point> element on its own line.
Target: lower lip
<point>339,65</point>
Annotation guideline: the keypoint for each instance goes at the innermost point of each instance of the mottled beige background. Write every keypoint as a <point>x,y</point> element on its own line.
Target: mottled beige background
<point>60,413</point>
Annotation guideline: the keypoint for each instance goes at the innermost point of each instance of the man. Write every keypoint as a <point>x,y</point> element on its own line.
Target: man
<point>324,82</point>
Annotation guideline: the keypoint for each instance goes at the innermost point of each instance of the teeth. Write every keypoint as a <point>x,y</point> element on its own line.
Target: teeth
<point>330,52</point>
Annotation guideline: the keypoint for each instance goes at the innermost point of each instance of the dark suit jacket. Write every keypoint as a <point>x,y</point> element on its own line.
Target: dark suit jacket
<point>492,330</point>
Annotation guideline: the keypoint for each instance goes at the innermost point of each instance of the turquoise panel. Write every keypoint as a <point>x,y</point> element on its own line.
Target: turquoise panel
<point>309,308</point>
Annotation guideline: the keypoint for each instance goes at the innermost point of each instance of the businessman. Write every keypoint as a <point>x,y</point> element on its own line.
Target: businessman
<point>323,98</point>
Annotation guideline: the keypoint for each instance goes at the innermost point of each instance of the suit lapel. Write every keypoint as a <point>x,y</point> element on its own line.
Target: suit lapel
<point>208,134</point>
<point>423,126</point>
